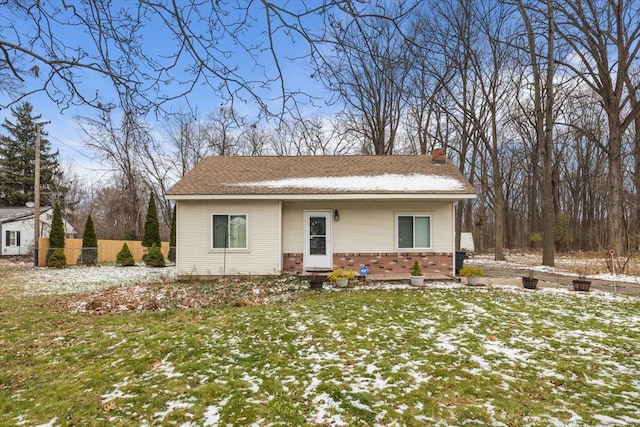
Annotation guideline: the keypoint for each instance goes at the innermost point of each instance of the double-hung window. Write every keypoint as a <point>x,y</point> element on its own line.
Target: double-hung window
<point>414,231</point>
<point>12,238</point>
<point>229,231</point>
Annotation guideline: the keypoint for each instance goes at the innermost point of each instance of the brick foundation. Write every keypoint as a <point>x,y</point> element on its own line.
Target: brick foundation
<point>378,263</point>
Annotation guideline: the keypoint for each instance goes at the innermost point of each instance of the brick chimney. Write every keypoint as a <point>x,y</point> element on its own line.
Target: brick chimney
<point>438,155</point>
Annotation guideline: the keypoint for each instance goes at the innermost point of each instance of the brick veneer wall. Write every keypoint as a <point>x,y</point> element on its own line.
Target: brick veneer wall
<point>378,263</point>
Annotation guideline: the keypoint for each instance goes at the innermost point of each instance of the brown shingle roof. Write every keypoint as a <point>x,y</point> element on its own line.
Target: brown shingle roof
<point>272,175</point>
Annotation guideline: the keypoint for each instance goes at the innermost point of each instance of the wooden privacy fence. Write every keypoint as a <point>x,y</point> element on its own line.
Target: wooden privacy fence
<point>107,250</point>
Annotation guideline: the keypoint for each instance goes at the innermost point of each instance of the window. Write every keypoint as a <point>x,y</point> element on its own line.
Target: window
<point>12,238</point>
<point>414,232</point>
<point>229,231</point>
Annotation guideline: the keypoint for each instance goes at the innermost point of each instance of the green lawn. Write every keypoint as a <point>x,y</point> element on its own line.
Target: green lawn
<point>416,357</point>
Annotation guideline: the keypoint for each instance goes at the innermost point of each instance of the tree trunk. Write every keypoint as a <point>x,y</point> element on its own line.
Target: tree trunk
<point>635,239</point>
<point>548,205</point>
<point>615,185</point>
<point>498,208</point>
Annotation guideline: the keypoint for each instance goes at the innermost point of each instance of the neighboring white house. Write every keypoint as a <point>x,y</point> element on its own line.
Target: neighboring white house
<point>269,215</point>
<point>16,229</point>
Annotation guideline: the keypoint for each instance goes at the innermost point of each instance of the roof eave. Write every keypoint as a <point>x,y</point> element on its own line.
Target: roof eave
<point>336,196</point>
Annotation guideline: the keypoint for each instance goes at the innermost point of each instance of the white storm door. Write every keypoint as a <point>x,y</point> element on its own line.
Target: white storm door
<point>317,246</point>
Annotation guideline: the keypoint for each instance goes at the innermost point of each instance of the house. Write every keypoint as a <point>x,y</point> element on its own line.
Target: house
<point>272,215</point>
<point>16,229</point>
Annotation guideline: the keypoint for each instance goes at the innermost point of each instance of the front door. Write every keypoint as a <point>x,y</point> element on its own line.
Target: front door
<point>317,247</point>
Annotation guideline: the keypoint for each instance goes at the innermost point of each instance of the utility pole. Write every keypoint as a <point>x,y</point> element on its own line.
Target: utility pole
<point>36,201</point>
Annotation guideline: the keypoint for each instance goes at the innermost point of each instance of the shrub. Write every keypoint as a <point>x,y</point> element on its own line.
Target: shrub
<point>124,257</point>
<point>57,259</point>
<point>416,269</point>
<point>535,238</point>
<point>89,243</point>
<point>563,234</point>
<point>154,257</point>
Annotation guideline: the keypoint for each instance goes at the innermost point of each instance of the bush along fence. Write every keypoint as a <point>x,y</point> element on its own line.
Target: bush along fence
<point>107,251</point>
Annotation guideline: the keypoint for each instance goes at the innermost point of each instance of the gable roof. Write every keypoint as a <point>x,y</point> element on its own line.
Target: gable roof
<point>271,176</point>
<point>19,213</point>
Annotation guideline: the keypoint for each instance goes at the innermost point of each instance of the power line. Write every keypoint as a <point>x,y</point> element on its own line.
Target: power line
<point>71,148</point>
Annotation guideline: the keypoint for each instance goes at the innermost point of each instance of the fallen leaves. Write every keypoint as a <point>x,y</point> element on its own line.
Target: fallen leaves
<point>108,407</point>
<point>163,296</point>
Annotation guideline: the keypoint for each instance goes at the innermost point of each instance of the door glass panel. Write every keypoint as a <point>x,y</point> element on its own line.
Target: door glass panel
<point>317,226</point>
<point>318,245</point>
<point>317,235</point>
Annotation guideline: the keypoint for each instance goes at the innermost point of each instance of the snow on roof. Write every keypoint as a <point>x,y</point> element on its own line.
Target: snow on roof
<point>385,182</point>
<point>327,175</point>
<point>11,214</point>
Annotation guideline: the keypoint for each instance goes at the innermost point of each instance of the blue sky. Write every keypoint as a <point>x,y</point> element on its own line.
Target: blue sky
<point>64,132</point>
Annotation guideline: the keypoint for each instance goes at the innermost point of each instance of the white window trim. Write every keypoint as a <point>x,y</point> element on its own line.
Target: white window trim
<point>396,231</point>
<point>229,214</point>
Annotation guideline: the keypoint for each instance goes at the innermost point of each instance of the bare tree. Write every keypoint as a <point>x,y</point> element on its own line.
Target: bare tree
<point>472,41</point>
<point>221,131</point>
<point>112,212</point>
<point>253,140</point>
<point>542,74</point>
<point>119,146</point>
<point>582,190</point>
<point>186,143</point>
<point>240,50</point>
<point>634,223</point>
<point>441,90</point>
<point>604,41</point>
<point>368,72</point>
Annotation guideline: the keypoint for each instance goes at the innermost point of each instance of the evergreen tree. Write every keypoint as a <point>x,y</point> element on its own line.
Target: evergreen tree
<point>89,243</point>
<point>154,258</point>
<point>172,236</point>
<point>56,236</point>
<point>151,234</point>
<point>124,257</point>
<point>57,259</point>
<point>17,159</point>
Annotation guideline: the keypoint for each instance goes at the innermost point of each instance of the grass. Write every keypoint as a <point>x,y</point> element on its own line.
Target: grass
<point>376,357</point>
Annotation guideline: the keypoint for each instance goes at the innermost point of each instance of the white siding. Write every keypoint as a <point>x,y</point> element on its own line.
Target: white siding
<point>368,226</point>
<point>25,227</point>
<point>194,254</point>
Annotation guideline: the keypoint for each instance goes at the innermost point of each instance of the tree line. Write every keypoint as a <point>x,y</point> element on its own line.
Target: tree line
<point>536,101</point>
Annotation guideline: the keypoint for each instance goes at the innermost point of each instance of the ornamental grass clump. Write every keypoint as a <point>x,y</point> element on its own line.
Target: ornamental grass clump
<point>341,274</point>
<point>471,272</point>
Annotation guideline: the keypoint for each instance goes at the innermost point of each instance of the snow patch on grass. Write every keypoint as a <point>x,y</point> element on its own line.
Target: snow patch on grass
<point>117,393</point>
<point>212,413</point>
<point>90,279</point>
